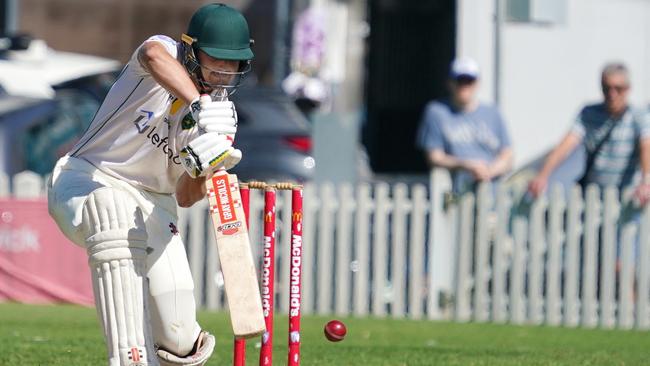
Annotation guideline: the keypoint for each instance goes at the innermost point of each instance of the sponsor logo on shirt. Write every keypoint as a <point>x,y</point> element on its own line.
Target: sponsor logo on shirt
<point>142,121</point>
<point>142,125</point>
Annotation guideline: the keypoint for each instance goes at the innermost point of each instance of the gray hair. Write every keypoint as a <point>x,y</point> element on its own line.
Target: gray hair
<point>616,68</point>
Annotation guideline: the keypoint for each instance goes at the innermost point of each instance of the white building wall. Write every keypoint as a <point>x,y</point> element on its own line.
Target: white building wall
<point>548,71</point>
<point>475,39</point>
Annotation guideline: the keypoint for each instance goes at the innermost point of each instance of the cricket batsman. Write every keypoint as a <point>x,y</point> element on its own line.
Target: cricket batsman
<point>150,146</point>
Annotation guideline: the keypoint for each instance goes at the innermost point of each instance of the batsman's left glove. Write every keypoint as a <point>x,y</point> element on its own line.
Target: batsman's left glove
<point>208,153</point>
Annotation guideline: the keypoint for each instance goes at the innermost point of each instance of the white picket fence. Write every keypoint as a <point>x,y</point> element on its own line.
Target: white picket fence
<point>398,251</point>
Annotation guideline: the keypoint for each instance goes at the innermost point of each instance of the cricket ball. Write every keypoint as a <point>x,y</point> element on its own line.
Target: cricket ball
<point>335,330</point>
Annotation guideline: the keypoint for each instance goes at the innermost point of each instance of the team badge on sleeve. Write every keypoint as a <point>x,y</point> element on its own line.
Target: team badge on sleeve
<point>188,122</point>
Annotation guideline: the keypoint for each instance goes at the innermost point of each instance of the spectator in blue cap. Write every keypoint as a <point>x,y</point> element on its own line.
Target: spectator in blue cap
<point>463,135</point>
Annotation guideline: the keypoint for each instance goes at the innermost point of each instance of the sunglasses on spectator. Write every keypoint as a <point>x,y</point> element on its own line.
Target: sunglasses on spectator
<point>464,80</point>
<point>617,88</point>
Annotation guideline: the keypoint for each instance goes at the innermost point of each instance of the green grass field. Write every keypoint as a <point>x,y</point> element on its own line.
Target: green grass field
<point>69,335</point>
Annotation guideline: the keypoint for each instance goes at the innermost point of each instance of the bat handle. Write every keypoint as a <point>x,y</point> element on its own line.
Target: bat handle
<point>221,95</point>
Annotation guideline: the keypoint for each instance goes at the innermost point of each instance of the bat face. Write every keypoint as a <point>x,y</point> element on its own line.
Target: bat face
<point>235,256</point>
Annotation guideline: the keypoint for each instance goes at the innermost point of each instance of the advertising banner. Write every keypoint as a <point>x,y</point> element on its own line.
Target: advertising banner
<point>38,264</point>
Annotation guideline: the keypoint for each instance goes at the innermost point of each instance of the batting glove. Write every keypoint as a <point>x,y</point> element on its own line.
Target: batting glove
<point>214,116</point>
<point>208,153</point>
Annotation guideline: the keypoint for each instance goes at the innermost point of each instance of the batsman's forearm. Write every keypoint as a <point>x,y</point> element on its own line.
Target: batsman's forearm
<point>190,190</point>
<point>167,71</point>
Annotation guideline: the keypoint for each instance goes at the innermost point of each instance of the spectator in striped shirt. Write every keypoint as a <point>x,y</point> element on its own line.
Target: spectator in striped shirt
<point>616,138</point>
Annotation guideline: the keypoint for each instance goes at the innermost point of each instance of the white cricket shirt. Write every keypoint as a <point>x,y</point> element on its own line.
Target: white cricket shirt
<point>139,129</point>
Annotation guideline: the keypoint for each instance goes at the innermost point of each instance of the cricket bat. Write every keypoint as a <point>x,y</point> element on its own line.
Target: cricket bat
<point>235,256</point>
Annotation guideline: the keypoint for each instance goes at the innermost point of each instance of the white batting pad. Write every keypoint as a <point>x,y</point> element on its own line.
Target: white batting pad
<point>116,244</point>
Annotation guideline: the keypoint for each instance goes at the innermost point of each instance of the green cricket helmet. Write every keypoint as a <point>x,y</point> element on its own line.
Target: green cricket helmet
<point>222,33</point>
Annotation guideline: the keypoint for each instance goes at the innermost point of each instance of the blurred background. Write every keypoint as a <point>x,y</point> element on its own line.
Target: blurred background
<point>374,64</point>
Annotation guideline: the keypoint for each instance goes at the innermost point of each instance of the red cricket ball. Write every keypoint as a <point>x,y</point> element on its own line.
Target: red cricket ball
<point>335,330</point>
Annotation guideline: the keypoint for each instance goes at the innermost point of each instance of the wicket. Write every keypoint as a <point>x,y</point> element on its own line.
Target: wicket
<point>268,271</point>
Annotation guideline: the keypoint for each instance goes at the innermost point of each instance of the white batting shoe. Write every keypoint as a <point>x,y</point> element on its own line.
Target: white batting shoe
<point>205,347</point>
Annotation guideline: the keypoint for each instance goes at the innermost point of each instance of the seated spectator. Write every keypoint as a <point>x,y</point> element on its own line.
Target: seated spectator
<point>463,135</point>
